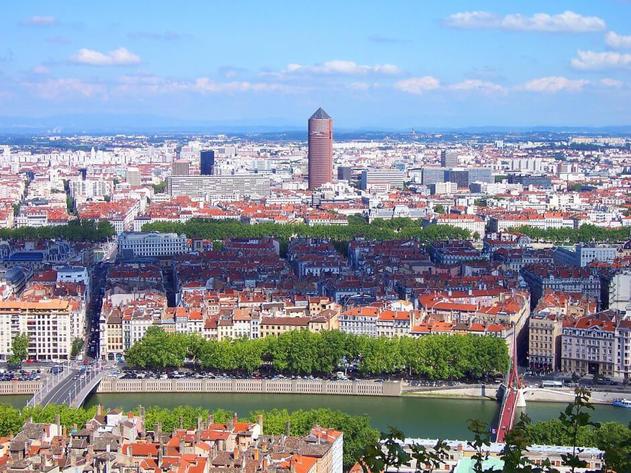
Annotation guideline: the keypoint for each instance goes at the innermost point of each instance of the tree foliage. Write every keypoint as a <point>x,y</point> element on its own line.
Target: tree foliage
<point>301,352</point>
<point>19,349</point>
<point>75,230</point>
<point>377,230</point>
<point>159,188</point>
<point>77,346</point>
<point>585,234</point>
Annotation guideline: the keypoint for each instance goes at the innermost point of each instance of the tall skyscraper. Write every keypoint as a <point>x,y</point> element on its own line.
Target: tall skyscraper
<point>320,149</point>
<point>448,159</point>
<point>207,162</point>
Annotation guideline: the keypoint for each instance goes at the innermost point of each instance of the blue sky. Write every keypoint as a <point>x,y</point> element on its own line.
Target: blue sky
<point>386,64</point>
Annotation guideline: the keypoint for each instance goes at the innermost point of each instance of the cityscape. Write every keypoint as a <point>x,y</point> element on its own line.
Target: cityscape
<point>330,266</point>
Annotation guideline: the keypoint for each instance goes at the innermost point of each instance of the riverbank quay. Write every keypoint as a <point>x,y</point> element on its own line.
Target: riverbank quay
<point>468,391</point>
<point>12,388</point>
<point>531,394</point>
<point>114,385</point>
<point>111,384</point>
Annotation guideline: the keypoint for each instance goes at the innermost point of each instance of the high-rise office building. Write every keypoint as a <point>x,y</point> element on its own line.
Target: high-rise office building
<point>448,159</point>
<point>233,187</point>
<point>181,167</point>
<point>207,162</point>
<point>320,157</point>
<point>344,173</point>
<point>382,178</point>
<point>433,175</point>
<point>465,177</point>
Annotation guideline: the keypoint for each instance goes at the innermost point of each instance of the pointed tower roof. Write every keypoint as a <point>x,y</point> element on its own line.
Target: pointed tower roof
<point>320,114</point>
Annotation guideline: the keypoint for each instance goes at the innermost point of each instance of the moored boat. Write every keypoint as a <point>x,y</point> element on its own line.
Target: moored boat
<point>626,403</point>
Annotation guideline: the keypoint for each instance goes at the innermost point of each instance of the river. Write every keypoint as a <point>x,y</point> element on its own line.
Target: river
<point>416,416</point>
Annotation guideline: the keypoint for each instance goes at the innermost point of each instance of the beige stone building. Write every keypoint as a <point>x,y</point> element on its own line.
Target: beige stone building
<point>589,345</point>
<point>546,323</point>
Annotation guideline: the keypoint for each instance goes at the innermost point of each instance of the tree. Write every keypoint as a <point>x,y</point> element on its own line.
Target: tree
<point>303,352</point>
<point>77,346</point>
<point>480,443</point>
<point>70,205</point>
<point>19,349</point>
<point>377,230</point>
<point>160,187</point>
<point>75,230</point>
<point>10,420</point>
<point>516,443</point>
<point>575,417</point>
<point>439,209</point>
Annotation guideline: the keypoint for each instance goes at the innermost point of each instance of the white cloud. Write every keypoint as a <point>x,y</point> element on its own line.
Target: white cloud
<point>116,57</point>
<point>206,85</point>
<point>601,60</point>
<point>473,19</point>
<point>57,88</point>
<point>566,22</point>
<point>40,21</point>
<point>338,66</point>
<point>479,86</point>
<point>616,40</point>
<point>554,84</point>
<point>417,85</point>
<point>613,83</point>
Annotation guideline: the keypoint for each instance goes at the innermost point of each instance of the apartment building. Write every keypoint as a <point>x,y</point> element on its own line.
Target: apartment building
<point>152,244</point>
<point>472,223</point>
<point>546,324</point>
<point>583,255</point>
<point>541,278</point>
<point>51,326</point>
<point>360,320</point>
<point>589,345</point>
<point>269,326</point>
<point>394,323</point>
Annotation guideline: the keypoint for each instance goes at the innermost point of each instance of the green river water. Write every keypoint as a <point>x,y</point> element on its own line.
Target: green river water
<point>416,416</point>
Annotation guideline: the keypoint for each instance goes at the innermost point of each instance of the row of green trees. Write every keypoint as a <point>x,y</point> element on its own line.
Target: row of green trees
<point>585,234</point>
<point>302,352</point>
<point>358,433</point>
<point>403,228</point>
<point>75,230</point>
